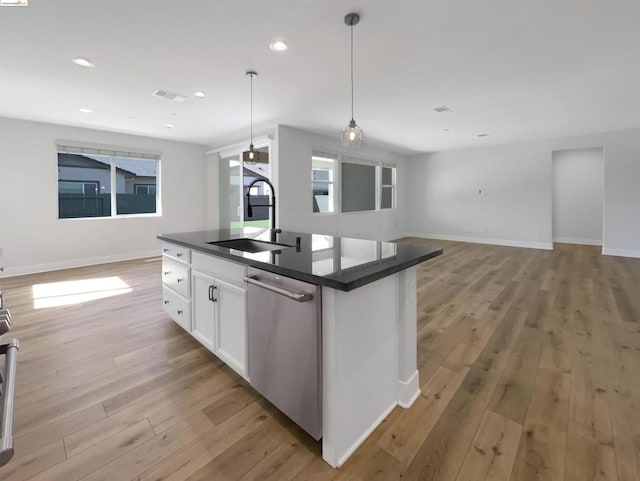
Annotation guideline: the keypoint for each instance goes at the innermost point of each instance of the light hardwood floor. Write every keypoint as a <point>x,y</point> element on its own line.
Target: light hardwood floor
<point>529,365</point>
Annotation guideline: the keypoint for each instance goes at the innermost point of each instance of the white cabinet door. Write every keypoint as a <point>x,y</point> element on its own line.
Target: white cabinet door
<point>204,302</point>
<point>231,344</point>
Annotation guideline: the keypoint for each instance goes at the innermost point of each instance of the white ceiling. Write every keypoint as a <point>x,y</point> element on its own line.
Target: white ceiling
<point>516,69</point>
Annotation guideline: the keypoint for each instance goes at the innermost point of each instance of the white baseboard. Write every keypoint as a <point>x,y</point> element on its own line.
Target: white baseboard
<point>391,237</point>
<point>482,240</point>
<point>408,391</point>
<point>364,436</point>
<point>71,263</point>
<point>620,252</point>
<point>577,240</point>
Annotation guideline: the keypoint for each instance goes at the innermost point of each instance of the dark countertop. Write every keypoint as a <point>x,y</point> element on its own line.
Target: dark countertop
<point>342,263</point>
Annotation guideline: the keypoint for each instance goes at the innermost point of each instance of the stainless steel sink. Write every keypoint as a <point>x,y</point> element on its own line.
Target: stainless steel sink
<point>250,245</point>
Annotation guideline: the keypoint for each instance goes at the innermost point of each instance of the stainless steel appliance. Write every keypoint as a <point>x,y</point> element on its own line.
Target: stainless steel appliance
<point>8,349</point>
<point>285,350</point>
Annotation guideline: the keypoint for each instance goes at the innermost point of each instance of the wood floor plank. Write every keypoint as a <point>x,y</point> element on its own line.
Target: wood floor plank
<point>87,461</point>
<point>405,436</point>
<point>27,466</point>
<point>205,448</point>
<point>239,459</point>
<point>493,450</point>
<point>56,431</point>
<point>542,448</point>
<point>153,451</point>
<point>590,443</point>
<point>239,397</point>
<point>443,451</point>
<point>512,396</point>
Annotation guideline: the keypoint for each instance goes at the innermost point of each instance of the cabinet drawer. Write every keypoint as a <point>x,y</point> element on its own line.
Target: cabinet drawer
<point>177,252</point>
<point>177,307</point>
<point>176,276</point>
<point>220,269</point>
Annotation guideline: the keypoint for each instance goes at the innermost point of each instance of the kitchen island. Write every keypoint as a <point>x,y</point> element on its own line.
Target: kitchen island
<point>361,347</point>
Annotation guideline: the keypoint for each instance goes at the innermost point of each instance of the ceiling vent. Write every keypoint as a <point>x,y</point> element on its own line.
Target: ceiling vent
<point>165,94</point>
<point>443,108</point>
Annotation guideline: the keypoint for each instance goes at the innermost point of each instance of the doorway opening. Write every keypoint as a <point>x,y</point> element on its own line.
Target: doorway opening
<point>577,196</point>
<point>234,177</point>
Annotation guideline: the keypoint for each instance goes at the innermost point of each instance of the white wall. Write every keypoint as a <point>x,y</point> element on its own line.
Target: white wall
<point>32,237</point>
<point>516,179</point>
<point>498,195</point>
<point>577,196</point>
<point>293,187</point>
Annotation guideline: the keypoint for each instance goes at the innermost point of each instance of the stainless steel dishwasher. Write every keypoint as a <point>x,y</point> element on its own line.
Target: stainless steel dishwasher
<point>285,355</point>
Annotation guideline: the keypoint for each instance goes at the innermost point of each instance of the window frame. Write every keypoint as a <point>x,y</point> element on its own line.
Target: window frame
<point>331,183</point>
<point>392,186</point>
<point>135,188</point>
<point>80,148</point>
<point>339,159</point>
<point>83,182</point>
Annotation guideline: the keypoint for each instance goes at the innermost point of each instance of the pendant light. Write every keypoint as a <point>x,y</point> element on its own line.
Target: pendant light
<point>352,135</point>
<point>251,156</point>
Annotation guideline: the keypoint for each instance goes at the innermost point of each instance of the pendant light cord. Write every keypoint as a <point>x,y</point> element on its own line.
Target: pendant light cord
<point>251,113</point>
<point>352,71</point>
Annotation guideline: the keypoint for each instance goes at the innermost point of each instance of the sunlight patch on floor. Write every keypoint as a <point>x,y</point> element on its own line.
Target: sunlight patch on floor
<point>55,294</point>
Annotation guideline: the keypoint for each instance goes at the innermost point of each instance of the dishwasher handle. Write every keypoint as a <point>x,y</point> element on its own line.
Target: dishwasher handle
<point>296,296</point>
<point>10,350</point>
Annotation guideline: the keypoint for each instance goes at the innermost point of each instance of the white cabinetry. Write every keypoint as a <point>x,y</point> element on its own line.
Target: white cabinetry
<point>220,309</point>
<point>231,323</point>
<point>204,307</point>
<point>176,284</point>
<point>207,297</point>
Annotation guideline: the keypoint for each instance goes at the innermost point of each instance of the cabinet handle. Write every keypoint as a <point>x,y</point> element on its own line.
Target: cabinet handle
<point>166,273</point>
<point>179,254</point>
<point>179,312</point>
<point>165,250</point>
<point>180,279</point>
<point>211,289</point>
<point>166,302</point>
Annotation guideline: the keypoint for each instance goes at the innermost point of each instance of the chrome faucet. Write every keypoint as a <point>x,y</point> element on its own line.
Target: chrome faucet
<point>272,205</point>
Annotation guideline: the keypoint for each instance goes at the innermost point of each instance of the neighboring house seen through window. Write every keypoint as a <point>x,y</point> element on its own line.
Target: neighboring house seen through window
<point>103,183</point>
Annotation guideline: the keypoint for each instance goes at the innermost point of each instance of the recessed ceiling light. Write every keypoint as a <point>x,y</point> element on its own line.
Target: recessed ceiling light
<point>82,62</point>
<point>279,46</point>
<point>447,130</point>
<point>483,135</point>
<point>169,126</point>
<point>443,108</point>
<point>85,111</point>
<point>200,94</point>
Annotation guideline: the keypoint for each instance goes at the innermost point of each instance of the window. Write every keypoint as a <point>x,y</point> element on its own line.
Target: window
<point>358,187</point>
<point>79,187</point>
<point>145,189</point>
<point>322,181</point>
<point>387,187</point>
<point>364,185</point>
<point>103,183</point>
